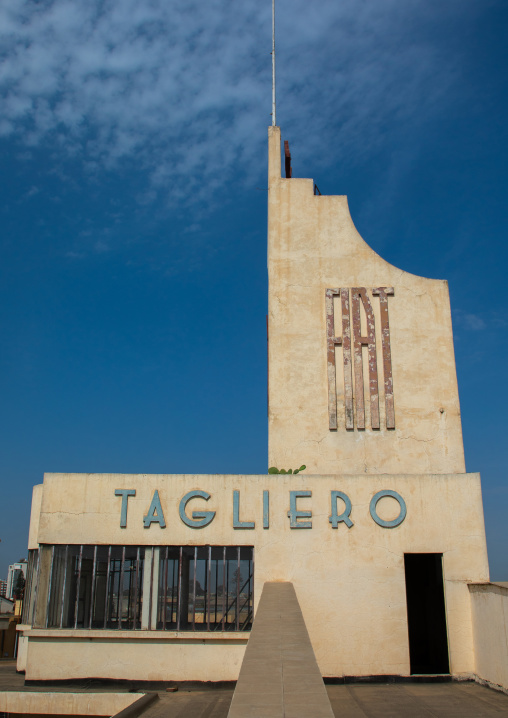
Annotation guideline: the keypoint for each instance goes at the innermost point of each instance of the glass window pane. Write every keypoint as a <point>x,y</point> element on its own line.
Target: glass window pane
<point>100,592</point>
<point>57,585</point>
<point>113,588</point>
<point>84,574</point>
<point>30,587</point>
<point>201,588</point>
<point>211,588</point>
<point>196,588</point>
<point>168,587</point>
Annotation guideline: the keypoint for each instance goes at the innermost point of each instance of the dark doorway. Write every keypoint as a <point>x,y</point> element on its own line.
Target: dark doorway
<point>426,617</point>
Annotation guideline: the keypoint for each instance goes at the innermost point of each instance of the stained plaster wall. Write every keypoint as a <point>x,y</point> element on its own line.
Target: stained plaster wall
<point>349,582</point>
<point>313,245</point>
<point>490,632</point>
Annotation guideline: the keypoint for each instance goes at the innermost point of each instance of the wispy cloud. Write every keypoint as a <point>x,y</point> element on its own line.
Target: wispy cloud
<point>183,89</point>
<point>489,320</point>
<point>473,322</point>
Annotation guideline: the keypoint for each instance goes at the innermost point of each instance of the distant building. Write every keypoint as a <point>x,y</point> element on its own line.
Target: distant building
<point>15,570</point>
<point>6,605</point>
<point>3,587</point>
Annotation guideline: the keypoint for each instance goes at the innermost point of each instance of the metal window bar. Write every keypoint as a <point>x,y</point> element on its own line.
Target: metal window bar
<point>64,585</point>
<point>216,590</point>
<point>92,597</point>
<point>160,592</point>
<point>27,584</point>
<point>136,588</point>
<point>120,591</point>
<point>28,587</point>
<point>165,606</point>
<point>250,595</point>
<point>131,568</point>
<point>38,575</point>
<point>233,602</point>
<point>224,566</point>
<point>49,585</point>
<point>179,605</point>
<point>174,591</point>
<point>251,584</point>
<point>194,589</point>
<point>78,586</point>
<point>107,601</point>
<point>209,587</point>
<point>151,588</point>
<point>237,581</point>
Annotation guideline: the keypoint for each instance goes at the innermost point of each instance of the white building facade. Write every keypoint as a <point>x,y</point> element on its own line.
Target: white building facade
<point>14,572</point>
<point>157,577</point>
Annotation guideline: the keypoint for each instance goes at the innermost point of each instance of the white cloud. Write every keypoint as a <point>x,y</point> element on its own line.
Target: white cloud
<point>183,88</point>
<point>473,322</point>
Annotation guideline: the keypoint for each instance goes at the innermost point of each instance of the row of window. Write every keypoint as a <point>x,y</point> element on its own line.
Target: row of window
<point>179,588</point>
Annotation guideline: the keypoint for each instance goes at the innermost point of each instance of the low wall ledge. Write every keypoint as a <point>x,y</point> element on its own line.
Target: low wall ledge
<point>87,634</point>
<point>500,587</point>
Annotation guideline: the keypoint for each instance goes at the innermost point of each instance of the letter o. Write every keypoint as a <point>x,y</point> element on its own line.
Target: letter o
<point>381,522</point>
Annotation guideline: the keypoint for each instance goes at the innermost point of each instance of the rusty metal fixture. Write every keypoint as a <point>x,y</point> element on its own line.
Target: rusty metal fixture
<point>287,160</point>
<point>332,342</point>
<point>360,294</point>
<point>345,342</point>
<point>346,354</point>
<point>354,400</point>
<point>383,293</point>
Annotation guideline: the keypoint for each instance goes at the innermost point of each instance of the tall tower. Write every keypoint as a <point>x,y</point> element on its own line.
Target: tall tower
<point>361,363</point>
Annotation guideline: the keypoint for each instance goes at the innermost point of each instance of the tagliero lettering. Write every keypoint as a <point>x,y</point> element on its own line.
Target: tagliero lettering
<point>340,513</point>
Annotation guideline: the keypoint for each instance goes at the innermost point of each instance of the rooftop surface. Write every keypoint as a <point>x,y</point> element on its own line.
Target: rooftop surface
<point>373,700</point>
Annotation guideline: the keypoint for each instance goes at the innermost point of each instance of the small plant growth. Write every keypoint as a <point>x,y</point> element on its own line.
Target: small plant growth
<point>274,470</point>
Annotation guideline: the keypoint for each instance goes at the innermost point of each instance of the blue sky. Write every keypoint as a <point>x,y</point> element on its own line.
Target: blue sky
<point>133,288</point>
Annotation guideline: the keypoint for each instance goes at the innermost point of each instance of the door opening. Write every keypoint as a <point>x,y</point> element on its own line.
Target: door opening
<point>426,617</point>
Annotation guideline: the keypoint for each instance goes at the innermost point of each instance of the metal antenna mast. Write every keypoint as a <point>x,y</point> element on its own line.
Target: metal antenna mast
<point>274,119</point>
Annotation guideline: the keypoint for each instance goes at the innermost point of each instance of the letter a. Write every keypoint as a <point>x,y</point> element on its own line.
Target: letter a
<point>155,514</point>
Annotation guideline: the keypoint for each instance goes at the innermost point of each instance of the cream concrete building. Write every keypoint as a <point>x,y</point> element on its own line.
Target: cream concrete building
<point>157,577</point>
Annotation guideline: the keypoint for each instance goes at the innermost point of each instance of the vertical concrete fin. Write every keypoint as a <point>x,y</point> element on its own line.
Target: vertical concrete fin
<point>279,674</point>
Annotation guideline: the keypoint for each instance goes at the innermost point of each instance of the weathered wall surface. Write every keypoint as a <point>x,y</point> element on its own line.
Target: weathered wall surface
<point>313,246</point>
<point>79,704</point>
<point>489,607</point>
<point>34,516</point>
<point>350,582</point>
<point>134,658</point>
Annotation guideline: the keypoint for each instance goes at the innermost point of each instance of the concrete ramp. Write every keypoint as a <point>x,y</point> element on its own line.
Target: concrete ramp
<point>279,676</point>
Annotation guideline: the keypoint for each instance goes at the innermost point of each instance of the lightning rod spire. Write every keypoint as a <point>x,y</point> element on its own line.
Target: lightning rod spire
<point>274,119</point>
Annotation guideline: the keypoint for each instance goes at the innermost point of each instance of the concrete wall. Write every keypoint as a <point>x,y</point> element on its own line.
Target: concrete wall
<point>22,648</point>
<point>35,513</point>
<point>489,607</point>
<point>313,245</point>
<point>142,655</point>
<point>90,704</point>
<point>350,583</point>
<point>8,637</point>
